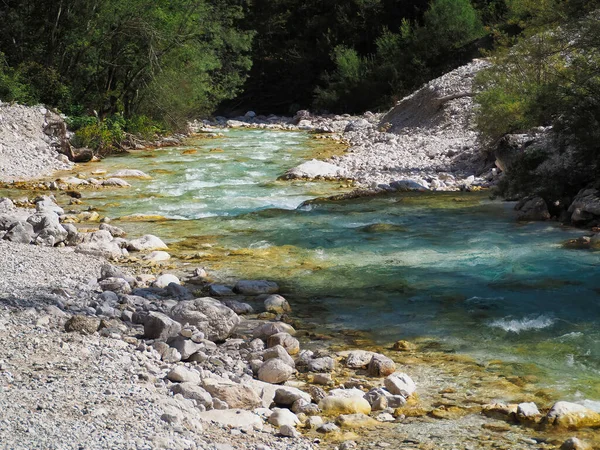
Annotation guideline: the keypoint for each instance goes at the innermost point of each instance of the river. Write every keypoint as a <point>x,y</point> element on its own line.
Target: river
<point>453,267</point>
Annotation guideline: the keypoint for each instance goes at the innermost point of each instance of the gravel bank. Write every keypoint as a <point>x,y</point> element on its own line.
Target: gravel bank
<point>26,151</point>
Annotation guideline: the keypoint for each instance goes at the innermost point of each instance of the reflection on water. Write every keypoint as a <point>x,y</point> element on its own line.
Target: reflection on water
<point>451,266</point>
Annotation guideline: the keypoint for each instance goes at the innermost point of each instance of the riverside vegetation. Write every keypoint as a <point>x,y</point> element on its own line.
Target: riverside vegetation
<point>268,318</point>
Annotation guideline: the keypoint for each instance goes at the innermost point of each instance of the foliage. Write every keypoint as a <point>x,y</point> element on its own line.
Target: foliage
<point>104,135</point>
<point>120,57</point>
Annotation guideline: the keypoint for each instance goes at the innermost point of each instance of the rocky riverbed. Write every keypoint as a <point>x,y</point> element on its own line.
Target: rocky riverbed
<point>144,357</point>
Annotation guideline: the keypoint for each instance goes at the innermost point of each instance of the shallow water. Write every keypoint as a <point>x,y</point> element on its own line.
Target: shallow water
<point>455,267</point>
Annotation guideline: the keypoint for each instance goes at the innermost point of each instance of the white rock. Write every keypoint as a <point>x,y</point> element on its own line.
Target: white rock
<point>147,242</point>
<point>316,169</point>
<point>281,416</point>
<point>182,375</point>
<point>164,280</point>
<point>400,384</point>
<point>275,371</point>
<point>157,256</point>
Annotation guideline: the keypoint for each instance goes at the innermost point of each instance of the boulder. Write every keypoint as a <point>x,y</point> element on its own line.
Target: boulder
<point>115,182</point>
<point>147,242</point>
<point>6,205</point>
<point>381,366</point>
<point>277,304</point>
<point>114,231</point>
<point>585,206</point>
<point>575,444</point>
<point>358,420</point>
<point>180,374</point>
<point>193,392</point>
<point>286,340</point>
<point>281,417</point>
<point>279,352</point>
<point>118,285</point>
<point>315,169</point>
<point>235,395</point>
<point>164,280</point>
<point>332,405</point>
<point>324,364</point>
<point>210,316</point>
<point>7,221</point>
<point>287,396</point>
<point>239,307</point>
<point>275,371</point>
<point>572,416</point>
<point>270,328</point>
<point>160,326</point>
<point>48,229</point>
<point>256,287</point>
<point>359,359</point>
<point>21,232</point>
<point>157,256</point>
<point>532,209</point>
<point>186,347</point>
<point>400,384</point>
<point>219,290</point>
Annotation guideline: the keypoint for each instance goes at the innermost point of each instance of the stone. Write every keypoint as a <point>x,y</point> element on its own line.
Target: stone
<point>532,209</point>
<point>219,290</point>
<point>585,206</point>
<point>572,416</point>
<point>82,324</point>
<point>280,353</point>
<point>400,384</point>
<point>324,379</point>
<point>277,304</point>
<point>332,405</point>
<point>357,420</point>
<point>381,366</point>
<point>327,428</point>
<point>404,346</point>
<point>500,410</point>
<point>48,229</point>
<point>270,328</point>
<point>160,326</point>
<point>282,417</point>
<point>232,418</point>
<point>314,422</point>
<point>239,307</point>
<point>287,341</point>
<point>315,169</point>
<point>21,232</point>
<point>109,250</point>
<point>359,359</point>
<point>193,392</point>
<point>117,285</point>
<point>6,222</point>
<point>157,256</point>
<point>180,374</point>
<point>256,287</point>
<point>324,364</point>
<point>185,347</point>
<point>164,280</point>
<point>287,396</point>
<point>275,371</point>
<point>289,431</point>
<point>147,242</point>
<point>115,182</point>
<point>235,395</point>
<point>575,444</point>
<point>528,411</point>
<point>114,231</point>
<point>208,315</point>
<point>129,173</point>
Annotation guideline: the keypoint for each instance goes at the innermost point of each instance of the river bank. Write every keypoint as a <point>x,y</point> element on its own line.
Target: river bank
<point>451,391</point>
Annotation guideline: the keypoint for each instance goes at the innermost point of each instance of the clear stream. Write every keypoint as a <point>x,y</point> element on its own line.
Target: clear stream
<point>455,267</point>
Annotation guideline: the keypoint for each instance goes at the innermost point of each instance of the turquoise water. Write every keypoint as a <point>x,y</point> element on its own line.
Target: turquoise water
<point>455,267</point>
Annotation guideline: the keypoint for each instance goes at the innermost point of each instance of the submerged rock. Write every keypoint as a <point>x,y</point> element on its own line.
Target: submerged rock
<point>315,169</point>
<point>256,287</point>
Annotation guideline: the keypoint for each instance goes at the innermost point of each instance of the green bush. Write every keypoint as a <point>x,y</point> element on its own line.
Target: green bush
<point>103,136</point>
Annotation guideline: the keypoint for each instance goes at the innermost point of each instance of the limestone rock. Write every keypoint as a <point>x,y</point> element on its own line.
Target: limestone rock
<point>400,384</point>
<point>282,417</point>
<point>194,392</point>
<point>208,315</point>
<point>130,173</point>
<point>332,405</point>
<point>270,328</point>
<point>232,418</point>
<point>532,209</point>
<point>157,256</point>
<point>287,341</point>
<point>235,395</point>
<point>572,416</point>
<point>279,352</point>
<point>256,287</point>
<point>147,242</point>
<point>381,366</point>
<point>575,444</point>
<point>166,279</point>
<point>315,169</point>
<point>277,304</point>
<point>324,364</point>
<point>181,374</point>
<point>160,326</point>
<point>21,232</point>
<point>114,231</point>
<point>275,371</point>
<point>359,359</point>
<point>357,420</point>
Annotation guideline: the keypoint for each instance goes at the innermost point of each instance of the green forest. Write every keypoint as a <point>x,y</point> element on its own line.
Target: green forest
<point>146,66</point>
